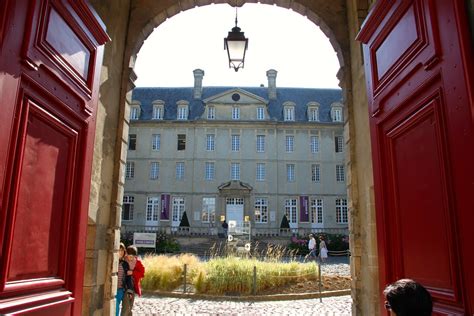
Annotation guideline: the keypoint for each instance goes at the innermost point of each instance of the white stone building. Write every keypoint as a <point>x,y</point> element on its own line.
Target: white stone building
<point>244,154</point>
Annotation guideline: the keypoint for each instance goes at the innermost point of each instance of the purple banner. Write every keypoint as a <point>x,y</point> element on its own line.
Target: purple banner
<point>165,207</point>
<point>304,209</point>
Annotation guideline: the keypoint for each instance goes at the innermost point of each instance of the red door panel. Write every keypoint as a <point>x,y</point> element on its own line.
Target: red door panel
<point>423,146</point>
<point>50,60</point>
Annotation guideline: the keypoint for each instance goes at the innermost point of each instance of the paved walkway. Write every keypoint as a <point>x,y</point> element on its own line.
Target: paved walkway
<point>330,306</point>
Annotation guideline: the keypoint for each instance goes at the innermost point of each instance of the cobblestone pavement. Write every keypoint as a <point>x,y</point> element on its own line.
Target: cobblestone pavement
<point>330,306</point>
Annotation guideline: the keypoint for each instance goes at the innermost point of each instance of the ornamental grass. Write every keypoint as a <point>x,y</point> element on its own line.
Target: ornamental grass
<point>229,275</point>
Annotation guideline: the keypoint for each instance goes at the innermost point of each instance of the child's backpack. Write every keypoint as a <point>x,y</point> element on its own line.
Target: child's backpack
<point>138,274</point>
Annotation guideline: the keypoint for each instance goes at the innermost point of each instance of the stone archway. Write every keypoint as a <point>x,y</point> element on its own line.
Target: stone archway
<point>129,23</point>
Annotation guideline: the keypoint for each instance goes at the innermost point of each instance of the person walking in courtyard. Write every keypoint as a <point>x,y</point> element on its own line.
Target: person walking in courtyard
<point>225,227</point>
<point>406,297</point>
<point>323,249</point>
<point>124,282</point>
<point>311,247</point>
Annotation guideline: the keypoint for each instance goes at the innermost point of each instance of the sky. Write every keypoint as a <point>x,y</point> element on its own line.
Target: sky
<point>279,39</point>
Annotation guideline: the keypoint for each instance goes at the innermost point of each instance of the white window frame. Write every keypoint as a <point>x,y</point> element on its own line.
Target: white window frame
<point>128,205</point>
<point>337,115</point>
<point>260,113</point>
<point>132,138</point>
<point>157,112</point>
<point>339,144</point>
<point>316,211</point>
<point>342,217</point>
<point>314,144</point>
<point>180,170</point>
<point>340,173</point>
<point>260,172</point>
<point>182,113</point>
<point>260,143</point>
<point>313,114</point>
<point>290,172</point>
<point>154,170</point>
<point>289,113</point>
<point>208,212</point>
<point>290,143</point>
<point>130,170</point>
<point>152,209</point>
<point>210,142</point>
<point>291,211</point>
<point>261,210</point>
<point>235,113</point>
<point>134,112</point>
<point>155,142</point>
<point>211,112</point>
<point>235,142</point>
<point>209,170</point>
<point>316,172</point>
<point>178,209</point>
<point>235,171</point>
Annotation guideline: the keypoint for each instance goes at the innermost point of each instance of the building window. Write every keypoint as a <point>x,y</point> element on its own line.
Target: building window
<point>152,208</point>
<point>315,173</point>
<point>181,141</point>
<point>210,142</point>
<point>235,171</point>
<point>313,114</point>
<point>260,143</point>
<point>341,211</point>
<point>339,144</point>
<point>182,113</point>
<point>316,211</point>
<point>211,113</point>
<point>155,142</point>
<point>208,209</point>
<point>289,113</point>
<point>178,209</point>
<point>132,142</point>
<point>261,210</point>
<point>260,113</point>
<point>236,113</point>
<point>209,170</point>
<point>179,170</point>
<point>290,210</point>
<point>290,172</point>
<point>235,142</point>
<point>290,143</point>
<point>154,170</point>
<point>134,113</point>
<point>337,115</point>
<point>314,144</point>
<point>157,112</point>
<point>127,207</point>
<point>260,172</point>
<point>130,170</point>
<point>340,176</point>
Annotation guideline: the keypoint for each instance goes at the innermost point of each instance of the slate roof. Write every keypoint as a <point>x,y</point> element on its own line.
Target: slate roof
<point>300,96</point>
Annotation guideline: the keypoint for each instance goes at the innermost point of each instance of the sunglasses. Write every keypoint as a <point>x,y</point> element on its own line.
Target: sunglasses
<point>387,305</point>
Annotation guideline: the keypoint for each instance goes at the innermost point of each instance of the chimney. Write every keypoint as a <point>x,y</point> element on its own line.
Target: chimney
<point>271,76</point>
<point>198,75</point>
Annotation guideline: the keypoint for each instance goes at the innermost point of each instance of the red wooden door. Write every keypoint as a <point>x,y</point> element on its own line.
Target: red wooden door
<point>50,58</point>
<point>417,60</point>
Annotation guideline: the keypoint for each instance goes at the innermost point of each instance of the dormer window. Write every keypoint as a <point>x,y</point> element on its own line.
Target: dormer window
<point>134,111</point>
<point>211,113</point>
<point>289,111</point>
<point>158,110</point>
<point>336,112</point>
<point>313,112</point>
<point>260,113</point>
<point>182,110</point>
<point>236,113</point>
